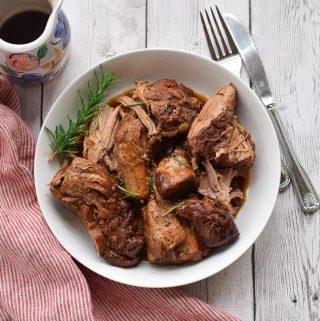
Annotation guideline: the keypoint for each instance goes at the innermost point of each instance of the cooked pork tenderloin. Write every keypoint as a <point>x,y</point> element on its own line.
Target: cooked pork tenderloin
<point>168,241</point>
<point>98,144</point>
<point>217,135</point>
<point>140,112</point>
<point>91,193</point>
<point>131,142</point>
<point>172,107</point>
<point>174,177</point>
<point>211,220</point>
<point>172,104</point>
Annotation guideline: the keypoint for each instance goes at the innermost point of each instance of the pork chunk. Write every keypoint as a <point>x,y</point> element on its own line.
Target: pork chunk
<point>216,134</point>
<point>211,220</point>
<point>91,193</point>
<point>168,241</point>
<point>98,144</point>
<point>130,145</point>
<point>172,106</point>
<point>174,176</point>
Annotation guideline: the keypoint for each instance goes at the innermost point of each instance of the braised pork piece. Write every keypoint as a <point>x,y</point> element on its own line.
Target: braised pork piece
<point>99,142</point>
<point>169,241</point>
<point>174,177</point>
<point>217,135</point>
<point>91,193</point>
<point>161,175</point>
<point>172,107</point>
<point>130,145</point>
<point>211,220</point>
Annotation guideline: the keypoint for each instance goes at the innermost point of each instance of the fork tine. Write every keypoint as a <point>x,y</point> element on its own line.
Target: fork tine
<point>226,30</point>
<point>224,45</point>
<point>211,49</point>
<point>214,36</point>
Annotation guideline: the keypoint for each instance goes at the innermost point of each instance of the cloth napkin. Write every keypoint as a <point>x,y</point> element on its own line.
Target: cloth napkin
<point>38,278</point>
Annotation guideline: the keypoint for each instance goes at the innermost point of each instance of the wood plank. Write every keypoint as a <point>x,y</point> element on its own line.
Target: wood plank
<point>30,102</point>
<point>176,24</point>
<point>287,254</point>
<point>115,26</point>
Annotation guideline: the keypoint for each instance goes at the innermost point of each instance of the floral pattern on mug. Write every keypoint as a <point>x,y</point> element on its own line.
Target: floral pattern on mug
<point>62,30</point>
<point>42,63</point>
<point>22,62</point>
<point>36,78</point>
<point>58,56</point>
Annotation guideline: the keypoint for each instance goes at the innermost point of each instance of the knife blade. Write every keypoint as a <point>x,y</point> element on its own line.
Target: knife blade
<point>250,58</point>
<point>247,50</point>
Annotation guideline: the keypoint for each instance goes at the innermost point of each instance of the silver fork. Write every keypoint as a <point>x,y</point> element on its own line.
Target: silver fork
<point>225,53</point>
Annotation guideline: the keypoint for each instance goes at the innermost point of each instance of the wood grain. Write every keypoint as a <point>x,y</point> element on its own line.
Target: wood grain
<point>176,24</point>
<point>287,256</point>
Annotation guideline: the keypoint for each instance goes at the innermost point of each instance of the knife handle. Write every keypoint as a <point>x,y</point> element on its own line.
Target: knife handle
<point>307,195</point>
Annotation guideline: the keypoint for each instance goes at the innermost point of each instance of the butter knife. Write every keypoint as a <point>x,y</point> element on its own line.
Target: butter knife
<point>306,192</point>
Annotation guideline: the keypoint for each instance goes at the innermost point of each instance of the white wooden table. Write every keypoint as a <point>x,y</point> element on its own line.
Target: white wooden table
<point>279,277</point>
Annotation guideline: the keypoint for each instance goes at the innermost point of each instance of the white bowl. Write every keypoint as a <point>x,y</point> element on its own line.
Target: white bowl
<point>204,76</point>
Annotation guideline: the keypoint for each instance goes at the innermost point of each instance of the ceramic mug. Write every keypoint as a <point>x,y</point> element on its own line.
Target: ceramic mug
<point>44,58</point>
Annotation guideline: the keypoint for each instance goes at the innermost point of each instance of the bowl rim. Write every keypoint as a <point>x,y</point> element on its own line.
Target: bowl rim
<point>103,61</point>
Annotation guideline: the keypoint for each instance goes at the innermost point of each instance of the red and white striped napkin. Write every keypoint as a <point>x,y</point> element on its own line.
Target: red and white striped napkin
<point>38,279</point>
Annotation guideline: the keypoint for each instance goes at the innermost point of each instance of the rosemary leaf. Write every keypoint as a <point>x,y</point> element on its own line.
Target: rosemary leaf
<point>64,141</point>
<point>138,103</point>
<point>150,183</point>
<point>173,208</point>
<point>180,162</point>
<point>126,192</point>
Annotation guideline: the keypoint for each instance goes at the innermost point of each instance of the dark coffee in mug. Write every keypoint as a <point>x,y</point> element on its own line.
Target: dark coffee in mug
<point>24,27</point>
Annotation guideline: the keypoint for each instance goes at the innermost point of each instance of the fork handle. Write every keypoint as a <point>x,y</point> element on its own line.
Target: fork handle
<point>285,177</point>
<point>307,195</point>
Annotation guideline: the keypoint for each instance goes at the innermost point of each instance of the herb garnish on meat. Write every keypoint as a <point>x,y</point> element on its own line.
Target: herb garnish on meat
<point>150,183</point>
<point>180,162</point>
<point>64,141</point>
<point>171,209</point>
<point>138,103</point>
<point>126,192</point>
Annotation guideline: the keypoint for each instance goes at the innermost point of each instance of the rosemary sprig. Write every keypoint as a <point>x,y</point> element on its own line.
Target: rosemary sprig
<point>173,208</point>
<point>138,103</point>
<point>126,192</point>
<point>150,183</point>
<point>180,162</point>
<point>64,141</point>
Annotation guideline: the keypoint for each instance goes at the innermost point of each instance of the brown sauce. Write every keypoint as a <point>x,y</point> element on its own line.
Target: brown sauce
<point>240,182</point>
<point>113,102</point>
<point>24,27</point>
